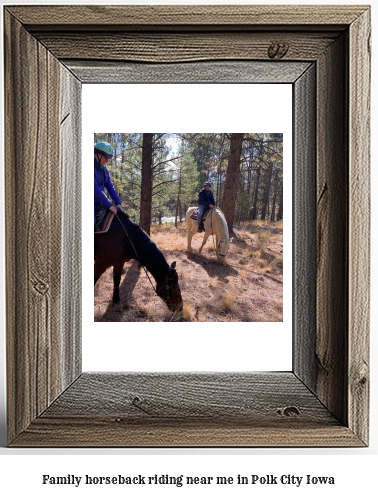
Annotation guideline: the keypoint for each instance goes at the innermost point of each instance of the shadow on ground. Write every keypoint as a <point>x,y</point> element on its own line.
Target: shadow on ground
<point>212,267</point>
<point>128,283</point>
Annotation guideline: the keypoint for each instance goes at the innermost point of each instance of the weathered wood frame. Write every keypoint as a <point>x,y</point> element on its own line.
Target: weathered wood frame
<point>49,52</point>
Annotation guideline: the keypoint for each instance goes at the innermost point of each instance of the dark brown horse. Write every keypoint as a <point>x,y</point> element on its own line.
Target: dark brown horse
<point>124,241</point>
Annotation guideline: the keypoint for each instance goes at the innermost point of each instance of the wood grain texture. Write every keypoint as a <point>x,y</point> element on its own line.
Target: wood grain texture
<point>197,409</point>
<point>200,72</point>
<point>184,16</point>
<point>180,47</point>
<point>304,230</point>
<point>359,226</point>
<point>33,232</point>
<point>97,432</point>
<point>244,397</point>
<point>42,111</point>
<point>70,161</point>
<point>331,351</point>
<point>33,307</point>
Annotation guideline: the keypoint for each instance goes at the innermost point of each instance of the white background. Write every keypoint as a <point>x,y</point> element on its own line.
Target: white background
<point>189,346</point>
<point>354,469</point>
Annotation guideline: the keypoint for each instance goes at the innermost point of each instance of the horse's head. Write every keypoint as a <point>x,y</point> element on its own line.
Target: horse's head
<point>223,246</point>
<point>169,289</point>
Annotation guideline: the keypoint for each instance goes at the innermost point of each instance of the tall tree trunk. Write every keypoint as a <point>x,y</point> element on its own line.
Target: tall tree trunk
<point>280,205</point>
<point>268,181</point>
<point>219,196</point>
<point>146,184</point>
<point>256,194</point>
<point>275,193</point>
<point>272,216</point>
<point>177,210</point>
<point>232,179</point>
<point>249,178</point>
<point>178,196</point>
<point>180,212</point>
<point>123,147</point>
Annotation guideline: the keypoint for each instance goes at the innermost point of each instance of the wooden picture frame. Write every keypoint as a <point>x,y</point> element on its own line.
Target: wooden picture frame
<point>324,51</point>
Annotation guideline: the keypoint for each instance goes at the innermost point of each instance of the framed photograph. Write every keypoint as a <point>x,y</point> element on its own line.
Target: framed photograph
<point>323,52</point>
<point>248,287</point>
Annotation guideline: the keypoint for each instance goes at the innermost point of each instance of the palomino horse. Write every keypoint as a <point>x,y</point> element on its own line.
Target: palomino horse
<point>215,223</point>
<point>124,241</point>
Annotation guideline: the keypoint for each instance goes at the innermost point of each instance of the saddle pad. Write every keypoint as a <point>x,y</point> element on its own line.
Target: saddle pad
<point>194,215</point>
<point>104,221</point>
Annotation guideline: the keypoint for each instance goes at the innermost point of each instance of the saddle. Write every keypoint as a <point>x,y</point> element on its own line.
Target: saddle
<point>104,218</point>
<point>194,215</point>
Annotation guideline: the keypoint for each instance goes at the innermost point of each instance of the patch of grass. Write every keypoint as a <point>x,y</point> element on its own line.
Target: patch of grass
<point>251,252</point>
<point>150,312</point>
<point>277,263</point>
<point>261,263</point>
<point>188,312</point>
<point>202,315</point>
<point>228,302</point>
<point>243,273</point>
<point>178,247</point>
<point>258,248</point>
<point>263,238</point>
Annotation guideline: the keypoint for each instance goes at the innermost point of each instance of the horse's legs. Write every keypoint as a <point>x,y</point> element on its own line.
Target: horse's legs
<point>204,241</point>
<point>99,270</point>
<point>117,271</point>
<point>189,234</point>
<point>189,238</point>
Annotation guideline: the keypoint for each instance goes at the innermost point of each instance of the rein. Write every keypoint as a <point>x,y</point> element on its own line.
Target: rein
<point>145,270</point>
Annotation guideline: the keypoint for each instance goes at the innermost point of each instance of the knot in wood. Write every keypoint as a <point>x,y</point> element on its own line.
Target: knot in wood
<point>41,287</point>
<point>136,400</point>
<point>288,411</point>
<point>278,50</point>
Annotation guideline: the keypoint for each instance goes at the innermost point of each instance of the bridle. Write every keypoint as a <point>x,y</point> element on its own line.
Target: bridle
<point>167,299</point>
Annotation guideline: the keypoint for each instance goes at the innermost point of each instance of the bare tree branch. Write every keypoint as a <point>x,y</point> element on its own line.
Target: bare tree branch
<point>164,182</point>
<point>165,162</point>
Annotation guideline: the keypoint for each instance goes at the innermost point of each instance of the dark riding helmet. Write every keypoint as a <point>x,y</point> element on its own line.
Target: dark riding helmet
<point>207,184</point>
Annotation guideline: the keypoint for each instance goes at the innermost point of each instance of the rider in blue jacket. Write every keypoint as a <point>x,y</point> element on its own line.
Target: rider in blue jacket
<point>102,154</point>
<point>205,201</point>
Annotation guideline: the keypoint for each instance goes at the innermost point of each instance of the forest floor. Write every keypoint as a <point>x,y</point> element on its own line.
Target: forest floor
<point>248,287</point>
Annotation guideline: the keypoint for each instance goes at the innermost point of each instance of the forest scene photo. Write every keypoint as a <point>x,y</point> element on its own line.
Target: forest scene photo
<point>158,177</point>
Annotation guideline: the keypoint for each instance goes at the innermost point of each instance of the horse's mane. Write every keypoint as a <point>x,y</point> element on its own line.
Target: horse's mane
<point>221,223</point>
<point>148,253</point>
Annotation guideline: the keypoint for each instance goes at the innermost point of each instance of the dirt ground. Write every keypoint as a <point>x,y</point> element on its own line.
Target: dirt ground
<point>248,287</point>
